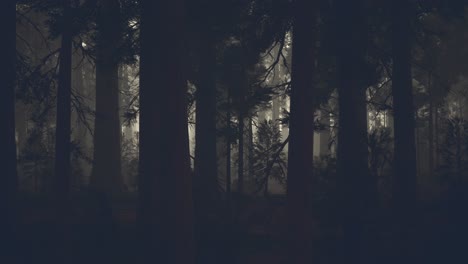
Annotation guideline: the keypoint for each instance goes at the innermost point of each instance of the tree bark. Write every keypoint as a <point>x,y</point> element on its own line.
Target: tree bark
<point>106,175</point>
<point>165,185</point>
<point>356,185</point>
<point>404,181</point>
<point>8,189</point>
<point>301,131</point>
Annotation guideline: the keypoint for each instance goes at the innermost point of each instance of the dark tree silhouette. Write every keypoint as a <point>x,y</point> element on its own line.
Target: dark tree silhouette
<point>301,131</point>
<point>164,182</point>
<point>63,125</point>
<point>206,189</point>
<point>8,189</point>
<point>355,181</point>
<point>106,175</point>
<point>63,135</point>
<point>205,169</point>
<point>404,181</point>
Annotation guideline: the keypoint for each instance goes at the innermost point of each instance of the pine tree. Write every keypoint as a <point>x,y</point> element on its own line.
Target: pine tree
<point>269,160</point>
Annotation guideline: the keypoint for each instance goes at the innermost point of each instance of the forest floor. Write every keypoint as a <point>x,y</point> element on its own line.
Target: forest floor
<point>442,235</point>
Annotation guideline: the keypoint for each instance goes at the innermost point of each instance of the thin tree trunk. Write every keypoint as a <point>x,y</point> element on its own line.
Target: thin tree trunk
<point>436,137</point>
<point>63,125</point>
<point>301,130</point>
<point>357,186</point>
<point>431,127</point>
<point>404,182</point>
<point>165,185</point>
<point>63,136</point>
<point>250,150</point>
<point>228,159</point>
<point>240,164</point>
<point>106,175</point>
<point>80,132</point>
<point>458,155</point>
<point>9,184</point>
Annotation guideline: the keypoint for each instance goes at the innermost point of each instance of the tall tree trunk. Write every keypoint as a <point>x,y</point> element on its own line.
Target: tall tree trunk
<point>89,85</point>
<point>301,131</point>
<point>165,185</point>
<point>206,163</point>
<point>431,127</point>
<point>63,135</point>
<point>250,153</point>
<point>228,158</point>
<point>404,181</point>
<point>63,124</point>
<point>79,131</point>
<point>9,184</point>
<point>106,176</point>
<point>357,187</point>
<point>205,167</point>
<point>436,137</point>
<point>458,155</point>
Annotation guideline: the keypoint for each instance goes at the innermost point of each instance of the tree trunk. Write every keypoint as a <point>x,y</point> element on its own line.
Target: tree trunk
<point>205,167</point>
<point>228,153</point>
<point>106,175</point>
<point>165,185</point>
<point>240,163</point>
<point>206,163</point>
<point>301,131</point>
<point>63,125</point>
<point>250,150</point>
<point>404,182</point>
<point>431,127</point>
<point>9,185</point>
<point>357,186</point>
<point>79,132</point>
<point>89,87</point>
<point>436,138</point>
<point>63,136</point>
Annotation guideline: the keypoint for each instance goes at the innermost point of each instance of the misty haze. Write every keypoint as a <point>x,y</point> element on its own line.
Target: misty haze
<point>234,131</point>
